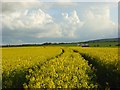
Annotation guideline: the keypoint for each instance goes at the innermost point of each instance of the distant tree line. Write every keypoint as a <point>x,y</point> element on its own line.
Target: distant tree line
<point>49,43</point>
<point>44,44</point>
<point>21,45</point>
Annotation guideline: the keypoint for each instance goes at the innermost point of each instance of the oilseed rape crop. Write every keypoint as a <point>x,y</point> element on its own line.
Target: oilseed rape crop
<point>107,62</point>
<point>69,70</point>
<point>16,61</point>
<point>60,67</point>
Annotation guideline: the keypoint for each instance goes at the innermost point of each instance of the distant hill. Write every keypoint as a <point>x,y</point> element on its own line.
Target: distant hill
<point>105,40</point>
<point>111,42</point>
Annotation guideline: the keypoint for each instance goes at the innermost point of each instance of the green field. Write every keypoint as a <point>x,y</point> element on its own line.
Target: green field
<point>92,44</point>
<point>103,44</point>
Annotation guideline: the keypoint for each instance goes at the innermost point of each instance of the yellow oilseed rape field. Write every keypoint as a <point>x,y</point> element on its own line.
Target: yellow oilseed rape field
<point>60,67</point>
<point>16,61</point>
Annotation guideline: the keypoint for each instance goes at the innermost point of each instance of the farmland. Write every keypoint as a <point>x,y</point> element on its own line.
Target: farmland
<point>60,67</point>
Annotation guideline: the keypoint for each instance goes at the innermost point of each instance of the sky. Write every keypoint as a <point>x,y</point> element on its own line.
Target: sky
<point>57,21</point>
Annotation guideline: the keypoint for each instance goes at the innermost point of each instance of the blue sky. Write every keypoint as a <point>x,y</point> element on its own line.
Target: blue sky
<point>36,22</point>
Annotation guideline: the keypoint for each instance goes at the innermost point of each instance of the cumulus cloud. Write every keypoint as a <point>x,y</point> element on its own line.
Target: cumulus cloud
<point>36,22</point>
<point>71,23</point>
<point>43,23</point>
<point>73,19</point>
<point>98,19</point>
<point>50,31</point>
<point>33,23</point>
<point>27,19</point>
<point>98,23</point>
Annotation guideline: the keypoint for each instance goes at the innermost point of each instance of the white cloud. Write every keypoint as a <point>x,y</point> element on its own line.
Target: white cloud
<point>71,24</point>
<point>25,22</point>
<point>32,21</point>
<point>36,19</point>
<point>98,24</point>
<point>73,19</point>
<point>50,31</point>
<point>98,19</point>
<point>27,19</point>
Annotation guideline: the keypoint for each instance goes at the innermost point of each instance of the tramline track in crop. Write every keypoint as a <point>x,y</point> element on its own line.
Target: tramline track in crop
<point>106,77</point>
<point>16,81</point>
